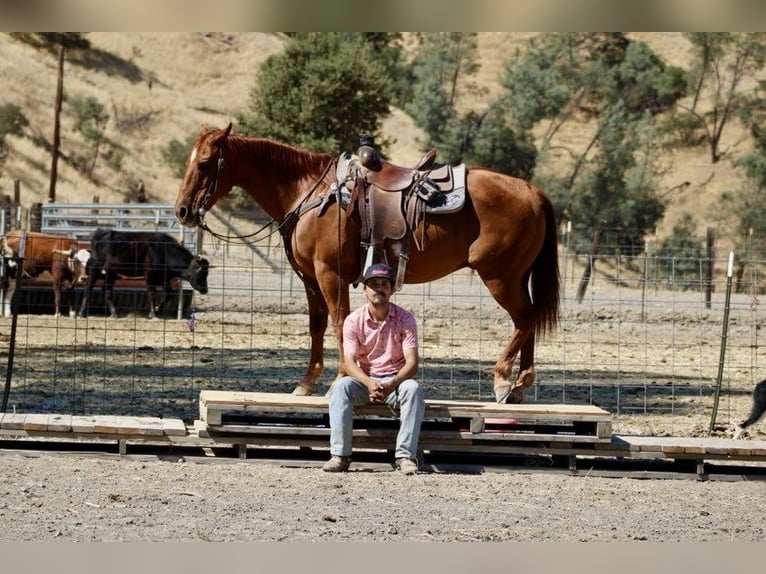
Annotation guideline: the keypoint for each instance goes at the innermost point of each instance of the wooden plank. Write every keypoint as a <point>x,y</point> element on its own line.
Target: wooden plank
<point>457,437</point>
<point>151,426</point>
<point>604,429</point>
<point>13,421</point>
<point>212,403</point>
<point>59,423</point>
<point>36,422</point>
<point>173,427</point>
<point>110,424</point>
<point>83,424</point>
<point>477,425</point>
<point>449,408</point>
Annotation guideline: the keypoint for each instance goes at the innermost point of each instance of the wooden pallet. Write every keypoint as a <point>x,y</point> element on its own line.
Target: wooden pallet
<point>375,431</point>
<point>101,428</point>
<point>280,419</point>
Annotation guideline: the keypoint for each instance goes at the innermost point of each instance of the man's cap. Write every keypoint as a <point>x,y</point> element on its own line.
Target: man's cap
<point>379,271</point>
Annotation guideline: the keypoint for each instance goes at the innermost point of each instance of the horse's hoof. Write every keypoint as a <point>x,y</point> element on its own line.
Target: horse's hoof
<point>303,391</point>
<point>502,393</point>
<point>509,394</point>
<point>525,380</point>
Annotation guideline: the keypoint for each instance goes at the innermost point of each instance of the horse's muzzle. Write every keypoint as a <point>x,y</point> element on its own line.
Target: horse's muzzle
<point>186,217</point>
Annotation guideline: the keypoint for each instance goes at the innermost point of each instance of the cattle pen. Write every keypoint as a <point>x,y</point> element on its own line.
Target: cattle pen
<point>645,344</point>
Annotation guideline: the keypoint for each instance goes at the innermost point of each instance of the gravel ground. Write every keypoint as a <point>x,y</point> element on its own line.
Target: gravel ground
<point>50,497</point>
<point>97,497</point>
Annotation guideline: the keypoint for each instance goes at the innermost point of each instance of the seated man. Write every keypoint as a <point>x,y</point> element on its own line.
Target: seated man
<point>380,347</point>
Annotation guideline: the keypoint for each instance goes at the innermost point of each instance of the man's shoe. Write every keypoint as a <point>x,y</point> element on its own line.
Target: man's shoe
<point>407,466</point>
<point>337,464</point>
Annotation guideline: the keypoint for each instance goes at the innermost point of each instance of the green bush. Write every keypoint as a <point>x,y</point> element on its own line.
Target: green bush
<point>175,154</point>
<point>13,122</point>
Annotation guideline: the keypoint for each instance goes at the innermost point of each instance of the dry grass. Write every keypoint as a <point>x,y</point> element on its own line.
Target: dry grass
<point>159,86</point>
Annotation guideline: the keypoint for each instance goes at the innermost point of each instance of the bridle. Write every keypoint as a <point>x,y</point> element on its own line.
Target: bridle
<point>211,190</point>
<point>285,227</point>
<point>213,187</point>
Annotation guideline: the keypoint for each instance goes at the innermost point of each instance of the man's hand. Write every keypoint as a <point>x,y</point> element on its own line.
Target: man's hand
<point>380,391</point>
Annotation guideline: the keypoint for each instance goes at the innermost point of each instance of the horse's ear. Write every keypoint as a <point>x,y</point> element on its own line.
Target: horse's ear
<point>227,131</point>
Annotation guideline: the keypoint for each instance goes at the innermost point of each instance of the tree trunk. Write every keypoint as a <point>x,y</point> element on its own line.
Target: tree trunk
<point>56,128</point>
<point>589,265</point>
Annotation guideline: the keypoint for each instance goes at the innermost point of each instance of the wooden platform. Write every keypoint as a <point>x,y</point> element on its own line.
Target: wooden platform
<point>375,429</point>
<point>279,419</point>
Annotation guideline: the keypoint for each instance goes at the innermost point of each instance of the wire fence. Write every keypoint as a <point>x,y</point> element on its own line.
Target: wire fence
<point>640,340</point>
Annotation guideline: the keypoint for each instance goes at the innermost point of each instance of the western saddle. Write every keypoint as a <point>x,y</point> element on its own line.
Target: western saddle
<point>392,200</point>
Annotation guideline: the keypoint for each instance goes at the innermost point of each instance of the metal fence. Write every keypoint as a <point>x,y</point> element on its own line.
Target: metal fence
<point>639,343</point>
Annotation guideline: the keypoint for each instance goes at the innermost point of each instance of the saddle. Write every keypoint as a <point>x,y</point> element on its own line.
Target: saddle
<point>392,200</point>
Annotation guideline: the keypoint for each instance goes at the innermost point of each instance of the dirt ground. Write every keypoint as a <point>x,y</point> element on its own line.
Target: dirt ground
<point>98,497</point>
<point>88,498</point>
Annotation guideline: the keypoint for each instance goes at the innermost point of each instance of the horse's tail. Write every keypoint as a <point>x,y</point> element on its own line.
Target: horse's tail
<point>545,274</point>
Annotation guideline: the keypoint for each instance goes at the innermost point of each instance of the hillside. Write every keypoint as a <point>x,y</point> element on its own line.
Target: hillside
<point>159,86</point>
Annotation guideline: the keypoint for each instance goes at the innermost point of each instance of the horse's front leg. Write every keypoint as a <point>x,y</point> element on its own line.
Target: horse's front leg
<point>336,290</point>
<point>317,327</point>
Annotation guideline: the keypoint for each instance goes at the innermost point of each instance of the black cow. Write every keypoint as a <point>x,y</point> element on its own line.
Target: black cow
<point>157,257</point>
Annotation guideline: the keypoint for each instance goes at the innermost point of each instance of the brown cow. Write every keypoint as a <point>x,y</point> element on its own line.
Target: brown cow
<point>63,258</point>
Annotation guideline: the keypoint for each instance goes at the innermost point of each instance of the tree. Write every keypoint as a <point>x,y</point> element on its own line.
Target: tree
<point>722,60</point>
<point>679,255</point>
<point>442,69</point>
<point>90,121</point>
<point>610,89</point>
<point>745,208</point>
<point>175,153</point>
<point>485,139</point>
<point>12,122</point>
<point>442,72</point>
<point>320,94</point>
<point>60,42</point>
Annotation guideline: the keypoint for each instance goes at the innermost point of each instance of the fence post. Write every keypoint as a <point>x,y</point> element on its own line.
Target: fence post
<point>14,320</point>
<point>724,335</point>
<point>36,217</point>
<point>644,282</point>
<point>182,241</point>
<point>567,232</point>
<point>710,239</point>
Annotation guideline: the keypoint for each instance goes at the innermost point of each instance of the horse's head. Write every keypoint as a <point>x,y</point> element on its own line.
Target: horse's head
<point>204,182</point>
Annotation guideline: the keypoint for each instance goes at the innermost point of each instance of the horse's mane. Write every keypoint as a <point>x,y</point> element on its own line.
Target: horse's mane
<point>284,162</point>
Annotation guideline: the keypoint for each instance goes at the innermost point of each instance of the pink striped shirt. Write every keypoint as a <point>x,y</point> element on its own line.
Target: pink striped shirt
<point>379,347</point>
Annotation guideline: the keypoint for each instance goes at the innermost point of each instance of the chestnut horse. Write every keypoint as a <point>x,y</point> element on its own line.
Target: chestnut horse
<point>506,231</point>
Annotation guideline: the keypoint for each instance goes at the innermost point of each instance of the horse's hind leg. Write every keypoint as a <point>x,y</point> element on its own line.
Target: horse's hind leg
<point>526,376</point>
<point>317,327</point>
<point>512,296</point>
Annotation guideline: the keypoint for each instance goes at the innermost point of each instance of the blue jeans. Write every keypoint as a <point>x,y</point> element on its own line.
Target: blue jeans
<point>347,392</point>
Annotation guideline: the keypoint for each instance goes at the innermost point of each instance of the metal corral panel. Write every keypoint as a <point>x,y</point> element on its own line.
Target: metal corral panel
<point>128,296</point>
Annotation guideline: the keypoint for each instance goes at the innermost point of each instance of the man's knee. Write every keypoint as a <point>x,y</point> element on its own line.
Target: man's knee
<point>410,390</point>
<point>343,388</point>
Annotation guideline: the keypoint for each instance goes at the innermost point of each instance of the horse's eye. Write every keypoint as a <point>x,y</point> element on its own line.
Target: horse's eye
<point>204,166</point>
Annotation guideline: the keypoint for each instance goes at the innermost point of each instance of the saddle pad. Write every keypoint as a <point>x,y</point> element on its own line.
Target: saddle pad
<point>342,169</point>
<point>455,199</point>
